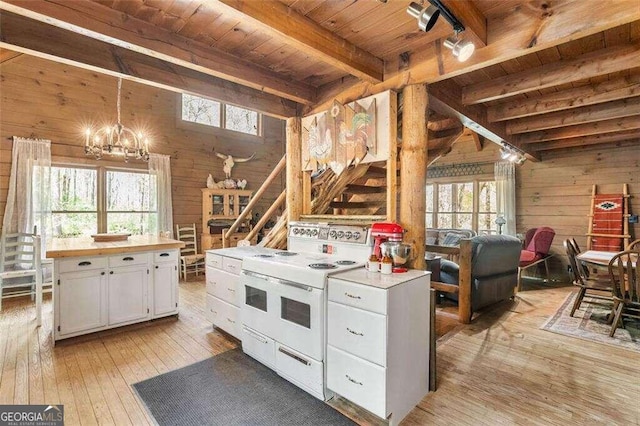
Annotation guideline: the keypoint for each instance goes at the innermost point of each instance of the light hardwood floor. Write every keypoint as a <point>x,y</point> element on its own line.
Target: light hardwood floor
<point>502,369</point>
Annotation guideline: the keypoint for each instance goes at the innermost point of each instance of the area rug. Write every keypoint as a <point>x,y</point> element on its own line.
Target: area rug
<point>232,389</point>
<point>590,323</point>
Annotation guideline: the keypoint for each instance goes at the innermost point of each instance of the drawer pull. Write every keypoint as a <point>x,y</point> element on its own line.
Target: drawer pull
<point>85,263</point>
<point>233,267</point>
<point>230,289</point>
<point>354,332</point>
<point>352,296</point>
<point>294,356</point>
<point>353,380</point>
<point>127,259</point>
<point>231,321</point>
<point>214,312</point>
<point>164,254</point>
<point>255,336</point>
<point>157,266</point>
<point>102,273</point>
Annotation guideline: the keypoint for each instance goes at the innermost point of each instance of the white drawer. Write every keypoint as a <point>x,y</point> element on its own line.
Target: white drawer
<point>357,380</point>
<point>224,315</point>
<point>361,296</point>
<point>214,260</point>
<point>128,259</point>
<point>165,256</point>
<point>361,333</point>
<point>300,369</point>
<point>82,264</point>
<point>224,285</point>
<point>259,347</point>
<point>232,266</point>
<point>213,310</point>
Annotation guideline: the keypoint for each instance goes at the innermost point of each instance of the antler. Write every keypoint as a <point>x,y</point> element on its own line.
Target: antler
<point>223,156</point>
<point>244,160</point>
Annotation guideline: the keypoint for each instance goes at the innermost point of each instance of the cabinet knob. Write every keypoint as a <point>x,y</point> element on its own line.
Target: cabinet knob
<point>156,266</point>
<point>102,273</point>
<point>111,272</point>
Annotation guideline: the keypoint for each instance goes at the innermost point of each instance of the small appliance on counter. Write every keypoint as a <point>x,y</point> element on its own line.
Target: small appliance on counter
<point>382,232</point>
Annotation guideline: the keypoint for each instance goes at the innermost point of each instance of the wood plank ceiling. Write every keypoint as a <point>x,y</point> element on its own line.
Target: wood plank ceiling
<point>545,75</point>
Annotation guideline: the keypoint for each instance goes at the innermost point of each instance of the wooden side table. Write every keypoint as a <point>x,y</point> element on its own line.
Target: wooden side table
<point>433,265</point>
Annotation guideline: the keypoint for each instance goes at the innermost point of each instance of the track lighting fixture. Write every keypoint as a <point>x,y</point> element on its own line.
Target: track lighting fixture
<point>426,16</point>
<point>512,154</point>
<point>460,48</point>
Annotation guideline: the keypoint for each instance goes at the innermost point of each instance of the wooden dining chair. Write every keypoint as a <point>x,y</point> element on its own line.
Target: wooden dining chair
<point>634,245</point>
<point>625,277</point>
<point>190,260</point>
<point>583,281</point>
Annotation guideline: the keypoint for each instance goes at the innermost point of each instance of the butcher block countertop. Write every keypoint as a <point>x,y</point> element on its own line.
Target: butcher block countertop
<point>85,246</point>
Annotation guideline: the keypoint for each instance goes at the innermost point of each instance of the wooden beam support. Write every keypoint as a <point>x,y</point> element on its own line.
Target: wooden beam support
<point>588,114</point>
<point>392,160</point>
<point>592,64</point>
<point>472,18</point>
<point>444,147</point>
<point>478,140</point>
<point>600,127</point>
<point>610,90</point>
<point>521,31</point>
<point>587,140</point>
<point>413,173</point>
<point>49,42</point>
<point>103,23</point>
<point>276,19</point>
<point>294,185</point>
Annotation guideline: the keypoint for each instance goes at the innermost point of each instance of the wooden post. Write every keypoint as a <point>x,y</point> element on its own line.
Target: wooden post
<point>464,282</point>
<point>392,162</point>
<point>306,192</point>
<point>295,188</point>
<point>413,173</point>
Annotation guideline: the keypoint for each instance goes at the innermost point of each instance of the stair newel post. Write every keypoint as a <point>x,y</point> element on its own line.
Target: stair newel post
<point>413,173</point>
<point>295,190</point>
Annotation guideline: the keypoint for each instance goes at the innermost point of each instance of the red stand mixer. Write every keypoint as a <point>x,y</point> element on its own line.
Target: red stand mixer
<point>391,234</point>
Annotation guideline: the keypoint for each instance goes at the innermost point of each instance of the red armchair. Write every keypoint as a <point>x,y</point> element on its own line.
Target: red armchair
<point>537,244</point>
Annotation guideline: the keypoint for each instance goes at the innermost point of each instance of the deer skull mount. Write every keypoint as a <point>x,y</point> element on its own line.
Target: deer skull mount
<point>230,161</point>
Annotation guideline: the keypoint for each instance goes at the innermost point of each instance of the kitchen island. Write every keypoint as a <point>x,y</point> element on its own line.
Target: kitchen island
<point>102,285</point>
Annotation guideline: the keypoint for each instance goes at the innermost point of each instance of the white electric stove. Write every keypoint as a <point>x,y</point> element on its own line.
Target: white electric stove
<point>284,311</point>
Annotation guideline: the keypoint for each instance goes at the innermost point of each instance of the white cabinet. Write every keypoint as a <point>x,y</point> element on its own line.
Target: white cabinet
<point>224,293</point>
<point>90,287</point>
<point>378,340</point>
<point>127,290</point>
<point>100,292</point>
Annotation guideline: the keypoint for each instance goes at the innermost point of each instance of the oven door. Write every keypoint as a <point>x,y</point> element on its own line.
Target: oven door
<point>259,304</point>
<point>300,311</point>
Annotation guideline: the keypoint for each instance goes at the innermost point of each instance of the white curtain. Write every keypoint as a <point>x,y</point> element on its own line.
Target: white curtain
<point>28,199</point>
<point>160,169</point>
<point>505,175</point>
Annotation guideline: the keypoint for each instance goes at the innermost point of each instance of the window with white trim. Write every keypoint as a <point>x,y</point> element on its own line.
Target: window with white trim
<point>207,112</point>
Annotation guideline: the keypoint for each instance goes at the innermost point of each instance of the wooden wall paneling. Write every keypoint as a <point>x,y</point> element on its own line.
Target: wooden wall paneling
<point>56,101</point>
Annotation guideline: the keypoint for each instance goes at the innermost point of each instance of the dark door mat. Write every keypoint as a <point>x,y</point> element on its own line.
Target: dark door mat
<point>232,389</point>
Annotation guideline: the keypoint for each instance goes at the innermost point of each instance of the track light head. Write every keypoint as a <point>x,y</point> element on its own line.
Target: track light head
<point>504,153</point>
<point>461,49</point>
<point>426,16</point>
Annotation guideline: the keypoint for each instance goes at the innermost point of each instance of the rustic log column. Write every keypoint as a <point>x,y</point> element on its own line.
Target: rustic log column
<point>295,188</point>
<point>413,170</point>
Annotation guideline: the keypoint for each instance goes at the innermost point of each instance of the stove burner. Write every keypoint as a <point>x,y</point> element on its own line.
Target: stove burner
<point>322,266</point>
<point>345,262</point>
<point>286,253</point>
<point>263,255</point>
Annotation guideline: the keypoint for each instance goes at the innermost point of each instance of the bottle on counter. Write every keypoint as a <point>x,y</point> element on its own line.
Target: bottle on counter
<point>373,265</point>
<point>386,265</point>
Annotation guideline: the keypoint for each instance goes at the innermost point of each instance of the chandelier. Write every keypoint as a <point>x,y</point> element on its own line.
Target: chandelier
<point>116,139</point>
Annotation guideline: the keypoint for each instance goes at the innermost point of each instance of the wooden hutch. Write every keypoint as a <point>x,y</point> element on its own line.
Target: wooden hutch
<point>224,206</point>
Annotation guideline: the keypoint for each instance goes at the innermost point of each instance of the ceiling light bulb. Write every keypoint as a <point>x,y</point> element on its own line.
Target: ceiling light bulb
<point>504,153</point>
<point>426,16</point>
<point>461,49</point>
<point>513,157</point>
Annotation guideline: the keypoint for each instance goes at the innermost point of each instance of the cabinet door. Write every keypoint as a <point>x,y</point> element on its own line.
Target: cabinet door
<point>127,289</point>
<point>165,288</point>
<point>82,301</point>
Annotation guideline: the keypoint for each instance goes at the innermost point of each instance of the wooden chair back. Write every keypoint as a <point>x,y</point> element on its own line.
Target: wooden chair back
<point>634,245</point>
<point>625,276</point>
<point>578,274</point>
<point>187,234</point>
<point>19,251</point>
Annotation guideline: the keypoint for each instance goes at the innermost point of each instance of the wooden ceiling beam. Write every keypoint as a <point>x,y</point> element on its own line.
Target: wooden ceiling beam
<point>587,140</point>
<point>478,140</point>
<point>109,25</point>
<point>49,42</point>
<point>588,114</point>
<point>522,31</point>
<point>610,90</point>
<point>472,18</point>
<point>600,127</point>
<point>592,64</point>
<point>278,20</point>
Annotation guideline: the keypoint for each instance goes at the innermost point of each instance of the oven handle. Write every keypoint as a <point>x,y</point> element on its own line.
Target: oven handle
<point>294,356</point>
<point>255,275</point>
<point>255,336</point>
<point>292,284</point>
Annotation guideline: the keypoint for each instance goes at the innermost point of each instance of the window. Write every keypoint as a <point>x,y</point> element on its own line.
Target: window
<point>215,114</point>
<point>86,201</point>
<point>467,205</point>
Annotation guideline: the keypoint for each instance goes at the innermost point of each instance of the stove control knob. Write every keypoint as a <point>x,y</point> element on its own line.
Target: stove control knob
<point>332,234</point>
<point>295,231</point>
<point>315,232</point>
<point>340,234</point>
<point>307,232</point>
<point>356,235</point>
<point>348,235</point>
